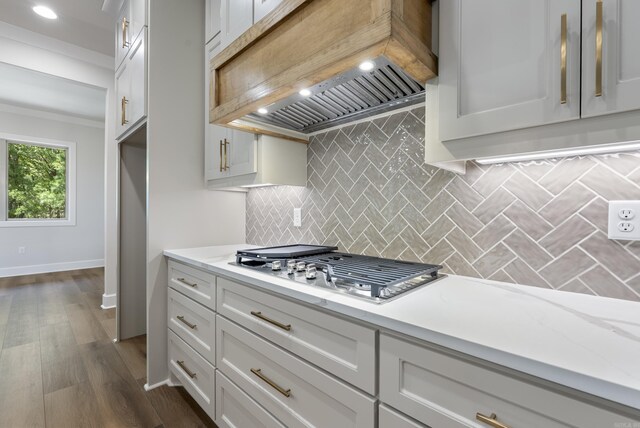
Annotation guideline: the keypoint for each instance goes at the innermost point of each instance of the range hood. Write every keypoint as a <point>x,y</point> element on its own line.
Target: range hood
<point>318,46</point>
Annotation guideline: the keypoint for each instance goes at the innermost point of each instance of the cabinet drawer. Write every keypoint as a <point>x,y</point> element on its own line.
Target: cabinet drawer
<point>295,392</point>
<point>446,391</point>
<point>193,323</point>
<point>344,349</point>
<point>235,409</point>
<point>196,375</point>
<point>194,283</point>
<point>389,418</point>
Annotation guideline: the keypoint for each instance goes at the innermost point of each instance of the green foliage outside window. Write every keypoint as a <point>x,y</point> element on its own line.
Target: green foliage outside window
<point>37,182</point>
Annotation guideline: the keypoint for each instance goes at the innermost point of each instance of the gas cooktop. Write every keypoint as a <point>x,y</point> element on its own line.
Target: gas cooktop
<point>372,278</point>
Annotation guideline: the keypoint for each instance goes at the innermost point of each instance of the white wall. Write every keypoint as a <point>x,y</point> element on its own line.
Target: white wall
<point>59,247</point>
<point>36,52</point>
<point>181,212</point>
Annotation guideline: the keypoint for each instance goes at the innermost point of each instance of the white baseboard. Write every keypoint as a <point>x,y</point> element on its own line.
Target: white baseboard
<point>167,382</point>
<point>108,301</point>
<point>48,268</point>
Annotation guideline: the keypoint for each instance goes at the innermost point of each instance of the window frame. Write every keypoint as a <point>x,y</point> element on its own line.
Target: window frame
<point>70,146</point>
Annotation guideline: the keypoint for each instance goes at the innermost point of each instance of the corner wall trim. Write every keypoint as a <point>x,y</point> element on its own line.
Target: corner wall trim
<point>48,268</point>
<point>108,301</point>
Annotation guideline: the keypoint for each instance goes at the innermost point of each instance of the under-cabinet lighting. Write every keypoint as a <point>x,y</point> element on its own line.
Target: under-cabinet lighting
<point>248,186</point>
<point>263,110</point>
<point>305,92</point>
<point>366,66</point>
<point>594,150</point>
<point>45,12</point>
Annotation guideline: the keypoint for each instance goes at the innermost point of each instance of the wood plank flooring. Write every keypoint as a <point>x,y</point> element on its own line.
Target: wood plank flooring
<point>60,368</point>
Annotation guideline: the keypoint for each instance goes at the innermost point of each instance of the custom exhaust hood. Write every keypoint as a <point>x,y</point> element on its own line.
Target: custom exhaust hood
<point>314,64</point>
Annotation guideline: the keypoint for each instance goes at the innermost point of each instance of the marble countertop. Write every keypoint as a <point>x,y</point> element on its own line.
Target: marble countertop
<point>588,343</point>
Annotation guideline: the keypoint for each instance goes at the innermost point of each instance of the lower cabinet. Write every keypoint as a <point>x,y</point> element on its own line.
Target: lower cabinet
<point>253,359</point>
<point>443,390</point>
<point>195,374</point>
<point>295,392</point>
<point>235,409</point>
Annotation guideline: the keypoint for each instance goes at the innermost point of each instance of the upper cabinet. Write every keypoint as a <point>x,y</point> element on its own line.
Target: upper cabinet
<point>212,20</point>
<point>610,56</point>
<point>236,17</point>
<point>532,75</point>
<point>508,65</point>
<point>262,7</point>
<point>131,69</point>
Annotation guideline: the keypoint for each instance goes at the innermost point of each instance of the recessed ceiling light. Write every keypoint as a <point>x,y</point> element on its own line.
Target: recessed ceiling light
<point>263,110</point>
<point>366,66</point>
<point>305,92</point>
<point>45,12</point>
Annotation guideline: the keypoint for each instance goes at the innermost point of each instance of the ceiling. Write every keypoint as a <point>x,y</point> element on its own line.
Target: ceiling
<point>32,89</point>
<point>80,22</point>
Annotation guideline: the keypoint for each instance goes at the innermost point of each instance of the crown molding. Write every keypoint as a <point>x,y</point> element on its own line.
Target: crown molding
<point>21,35</point>
<point>58,117</point>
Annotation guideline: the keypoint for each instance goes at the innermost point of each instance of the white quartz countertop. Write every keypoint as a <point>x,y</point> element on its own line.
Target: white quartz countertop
<point>588,343</point>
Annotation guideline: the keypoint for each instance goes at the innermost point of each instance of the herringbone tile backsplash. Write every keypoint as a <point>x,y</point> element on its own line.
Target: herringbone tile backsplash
<point>537,223</point>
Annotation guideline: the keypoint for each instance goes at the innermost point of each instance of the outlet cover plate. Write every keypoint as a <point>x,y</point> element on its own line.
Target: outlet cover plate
<point>623,212</point>
<point>297,217</point>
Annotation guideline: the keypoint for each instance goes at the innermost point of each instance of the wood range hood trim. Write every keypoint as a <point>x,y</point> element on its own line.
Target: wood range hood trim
<point>337,36</point>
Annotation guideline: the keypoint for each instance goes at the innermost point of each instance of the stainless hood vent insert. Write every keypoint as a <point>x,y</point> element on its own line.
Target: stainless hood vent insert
<point>347,97</point>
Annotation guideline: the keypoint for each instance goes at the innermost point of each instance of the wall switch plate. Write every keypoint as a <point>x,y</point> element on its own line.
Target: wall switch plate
<point>624,220</point>
<point>22,250</point>
<point>297,217</point>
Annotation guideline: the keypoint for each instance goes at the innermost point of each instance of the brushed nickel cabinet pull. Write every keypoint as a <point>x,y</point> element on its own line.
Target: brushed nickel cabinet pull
<point>226,154</point>
<point>186,370</point>
<point>257,314</point>
<point>123,109</point>
<point>187,323</point>
<point>563,59</point>
<point>491,420</point>
<point>220,155</point>
<point>281,390</point>
<point>125,25</point>
<point>185,282</point>
<point>599,48</point>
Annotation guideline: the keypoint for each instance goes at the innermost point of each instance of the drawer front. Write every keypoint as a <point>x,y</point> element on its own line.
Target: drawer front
<point>194,372</point>
<point>197,284</point>
<point>235,409</point>
<point>389,418</point>
<point>296,393</point>
<point>193,323</point>
<point>344,349</point>
<point>445,391</point>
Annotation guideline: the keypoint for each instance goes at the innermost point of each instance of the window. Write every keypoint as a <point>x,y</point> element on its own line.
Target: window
<point>37,182</point>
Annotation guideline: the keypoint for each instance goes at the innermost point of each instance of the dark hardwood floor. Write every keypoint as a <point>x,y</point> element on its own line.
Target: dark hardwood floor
<point>60,368</point>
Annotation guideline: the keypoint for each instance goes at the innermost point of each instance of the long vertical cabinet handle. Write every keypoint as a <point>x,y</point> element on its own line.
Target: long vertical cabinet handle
<point>125,25</point>
<point>599,48</point>
<point>563,59</point>
<point>220,155</point>
<point>226,154</point>
<point>123,109</point>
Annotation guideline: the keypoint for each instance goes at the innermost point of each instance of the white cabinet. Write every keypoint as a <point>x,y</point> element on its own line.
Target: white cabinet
<point>263,7</point>
<point>441,389</point>
<point>212,19</point>
<point>131,87</point>
<point>236,17</point>
<point>131,20</point>
<point>612,84</point>
<point>229,153</point>
<point>500,65</point>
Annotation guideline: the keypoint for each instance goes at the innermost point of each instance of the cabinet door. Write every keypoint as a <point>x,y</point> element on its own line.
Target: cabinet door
<point>619,73</point>
<point>123,85</point>
<point>212,18</point>
<point>242,154</point>
<point>214,135</point>
<point>236,18</point>
<point>123,33</point>
<point>138,13</point>
<point>263,7</point>
<point>136,108</point>
<point>500,65</point>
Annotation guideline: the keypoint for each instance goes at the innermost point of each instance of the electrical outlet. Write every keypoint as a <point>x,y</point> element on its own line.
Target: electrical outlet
<point>297,217</point>
<point>624,223</point>
<point>22,250</point>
